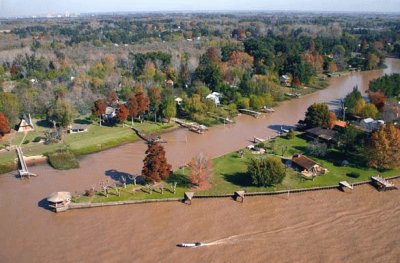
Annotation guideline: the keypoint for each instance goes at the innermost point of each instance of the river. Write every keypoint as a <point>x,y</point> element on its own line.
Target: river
<point>327,226</point>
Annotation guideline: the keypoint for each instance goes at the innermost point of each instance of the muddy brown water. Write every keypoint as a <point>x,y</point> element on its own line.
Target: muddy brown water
<point>326,226</point>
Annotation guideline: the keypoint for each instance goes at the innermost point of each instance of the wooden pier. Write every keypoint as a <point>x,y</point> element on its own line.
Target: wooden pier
<point>194,127</point>
<point>225,120</point>
<point>382,184</point>
<point>250,112</point>
<point>24,168</point>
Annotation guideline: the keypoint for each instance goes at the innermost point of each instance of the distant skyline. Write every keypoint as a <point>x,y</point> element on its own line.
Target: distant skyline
<point>12,8</point>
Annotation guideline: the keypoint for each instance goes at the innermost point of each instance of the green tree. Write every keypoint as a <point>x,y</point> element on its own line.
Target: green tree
<point>369,111</point>
<point>169,109</point>
<point>317,115</point>
<point>266,171</point>
<point>61,112</point>
<point>10,107</point>
<point>351,99</point>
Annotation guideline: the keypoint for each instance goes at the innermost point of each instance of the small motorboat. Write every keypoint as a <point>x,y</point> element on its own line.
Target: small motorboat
<point>196,244</point>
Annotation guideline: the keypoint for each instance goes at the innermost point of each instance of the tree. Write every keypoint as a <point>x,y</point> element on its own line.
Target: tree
<point>200,171</point>
<point>266,171</point>
<point>122,113</point>
<point>332,119</point>
<point>61,112</point>
<point>360,104</point>
<point>377,98</point>
<point>349,139</point>
<point>317,148</point>
<point>369,111</point>
<point>10,107</point>
<point>351,99</point>
<point>384,148</point>
<point>291,134</point>
<point>142,102</point>
<point>99,108</point>
<point>169,109</point>
<point>156,167</point>
<point>317,115</point>
<point>132,107</point>
<point>155,100</point>
<point>4,125</point>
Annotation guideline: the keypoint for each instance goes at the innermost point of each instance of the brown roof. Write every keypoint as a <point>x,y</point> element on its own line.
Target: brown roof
<point>325,134</point>
<point>340,123</point>
<point>303,161</point>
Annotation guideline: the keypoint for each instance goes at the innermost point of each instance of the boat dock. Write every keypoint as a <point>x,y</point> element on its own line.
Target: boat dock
<point>225,120</point>
<point>24,168</point>
<point>382,184</point>
<point>194,127</point>
<point>250,112</point>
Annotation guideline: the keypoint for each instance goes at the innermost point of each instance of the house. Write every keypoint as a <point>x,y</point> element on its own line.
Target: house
<point>285,80</point>
<point>339,125</point>
<point>26,124</point>
<point>307,166</point>
<point>77,128</point>
<point>169,82</point>
<point>215,96</point>
<point>322,134</point>
<point>110,114</point>
<point>371,125</point>
<point>178,101</point>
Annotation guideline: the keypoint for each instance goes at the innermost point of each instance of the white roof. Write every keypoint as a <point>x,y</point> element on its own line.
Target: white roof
<point>178,99</point>
<point>368,120</point>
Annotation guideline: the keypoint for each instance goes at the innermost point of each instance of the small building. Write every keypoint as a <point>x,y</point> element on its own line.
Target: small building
<point>77,128</point>
<point>169,82</point>
<point>110,113</point>
<point>285,80</point>
<point>59,201</point>
<point>371,125</point>
<point>338,125</point>
<point>26,124</point>
<point>307,166</point>
<point>326,135</point>
<point>178,101</point>
<point>215,96</point>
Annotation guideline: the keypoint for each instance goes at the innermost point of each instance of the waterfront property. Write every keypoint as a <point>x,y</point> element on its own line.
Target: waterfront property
<point>307,166</point>
<point>326,135</point>
<point>59,201</point>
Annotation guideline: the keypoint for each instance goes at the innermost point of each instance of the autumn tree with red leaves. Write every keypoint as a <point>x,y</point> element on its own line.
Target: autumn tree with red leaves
<point>132,107</point>
<point>4,125</point>
<point>378,99</point>
<point>201,168</point>
<point>122,113</point>
<point>99,108</point>
<point>142,102</point>
<point>156,167</point>
<point>332,119</point>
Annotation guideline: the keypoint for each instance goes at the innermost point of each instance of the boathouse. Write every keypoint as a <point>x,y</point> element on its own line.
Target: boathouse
<point>307,166</point>
<point>59,201</point>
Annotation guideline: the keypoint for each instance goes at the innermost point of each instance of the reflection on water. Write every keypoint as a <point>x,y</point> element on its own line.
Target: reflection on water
<point>317,226</point>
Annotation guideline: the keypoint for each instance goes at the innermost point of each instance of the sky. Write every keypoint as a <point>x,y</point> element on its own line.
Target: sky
<point>11,8</point>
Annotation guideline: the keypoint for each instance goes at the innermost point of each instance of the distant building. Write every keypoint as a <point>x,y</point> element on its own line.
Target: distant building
<point>215,96</point>
<point>26,124</point>
<point>169,82</point>
<point>371,125</point>
<point>77,128</point>
<point>322,134</point>
<point>110,114</point>
<point>285,80</point>
<point>339,125</point>
<point>178,101</point>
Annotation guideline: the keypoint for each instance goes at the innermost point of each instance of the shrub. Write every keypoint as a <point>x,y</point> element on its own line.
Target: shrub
<point>63,160</point>
<point>353,174</point>
<point>266,171</point>
<point>26,142</point>
<point>37,139</point>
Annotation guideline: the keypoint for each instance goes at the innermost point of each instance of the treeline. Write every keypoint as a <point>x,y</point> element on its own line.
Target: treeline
<point>389,85</point>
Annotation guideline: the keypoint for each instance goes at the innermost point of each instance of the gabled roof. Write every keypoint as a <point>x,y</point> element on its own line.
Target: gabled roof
<point>303,161</point>
<point>340,123</point>
<point>324,134</point>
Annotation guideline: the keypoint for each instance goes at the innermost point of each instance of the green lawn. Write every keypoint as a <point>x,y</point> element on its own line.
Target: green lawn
<point>96,139</point>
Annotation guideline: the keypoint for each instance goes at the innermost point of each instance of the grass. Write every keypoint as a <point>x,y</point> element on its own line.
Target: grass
<point>96,139</point>
<point>63,160</point>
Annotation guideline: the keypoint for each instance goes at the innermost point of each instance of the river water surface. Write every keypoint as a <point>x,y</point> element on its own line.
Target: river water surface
<point>327,226</point>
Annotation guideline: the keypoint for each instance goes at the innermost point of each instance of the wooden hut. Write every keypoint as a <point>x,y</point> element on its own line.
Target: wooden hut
<point>59,201</point>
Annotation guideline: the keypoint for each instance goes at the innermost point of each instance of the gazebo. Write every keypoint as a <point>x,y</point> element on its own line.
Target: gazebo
<point>59,201</point>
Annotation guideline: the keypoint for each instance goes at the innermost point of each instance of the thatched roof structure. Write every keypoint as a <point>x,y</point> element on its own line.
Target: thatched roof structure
<point>59,197</point>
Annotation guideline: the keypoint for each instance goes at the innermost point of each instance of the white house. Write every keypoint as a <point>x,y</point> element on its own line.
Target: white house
<point>285,80</point>
<point>178,101</point>
<point>371,124</point>
<point>215,96</point>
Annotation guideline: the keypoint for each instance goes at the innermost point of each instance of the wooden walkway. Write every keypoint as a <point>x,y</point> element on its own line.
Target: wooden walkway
<point>250,112</point>
<point>24,168</point>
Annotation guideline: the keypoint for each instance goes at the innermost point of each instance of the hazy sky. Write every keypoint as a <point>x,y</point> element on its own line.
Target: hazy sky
<point>34,7</point>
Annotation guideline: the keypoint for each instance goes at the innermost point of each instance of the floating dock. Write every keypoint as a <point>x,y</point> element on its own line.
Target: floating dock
<point>382,184</point>
<point>194,127</point>
<point>250,112</point>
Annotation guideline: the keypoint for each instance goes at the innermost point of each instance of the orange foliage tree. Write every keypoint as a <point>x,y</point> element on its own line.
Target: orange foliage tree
<point>132,107</point>
<point>99,108</point>
<point>384,148</point>
<point>377,98</point>
<point>332,119</point>
<point>122,113</point>
<point>4,125</point>
<point>156,167</point>
<point>200,171</point>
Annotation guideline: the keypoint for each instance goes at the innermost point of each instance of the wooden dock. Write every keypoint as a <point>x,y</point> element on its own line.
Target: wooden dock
<point>382,184</point>
<point>24,168</point>
<point>250,112</point>
<point>194,127</point>
<point>225,120</point>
